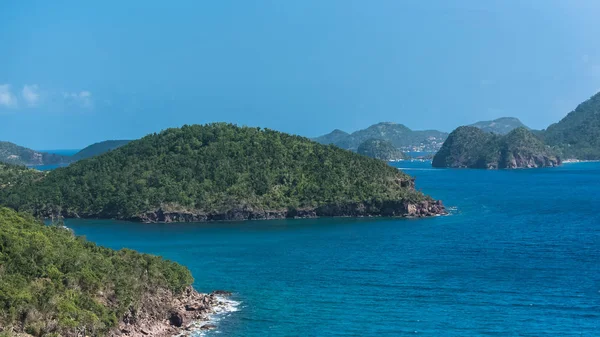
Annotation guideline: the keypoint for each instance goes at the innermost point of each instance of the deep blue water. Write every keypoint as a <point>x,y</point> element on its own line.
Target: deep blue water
<point>519,256</point>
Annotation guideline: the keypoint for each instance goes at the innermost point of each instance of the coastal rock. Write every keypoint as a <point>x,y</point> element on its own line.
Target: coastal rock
<point>176,319</point>
<point>373,208</point>
<point>221,293</point>
<point>164,315</point>
<point>208,327</point>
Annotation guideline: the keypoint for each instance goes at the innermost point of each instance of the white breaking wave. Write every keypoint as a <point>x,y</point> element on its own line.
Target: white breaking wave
<point>452,209</point>
<point>223,309</point>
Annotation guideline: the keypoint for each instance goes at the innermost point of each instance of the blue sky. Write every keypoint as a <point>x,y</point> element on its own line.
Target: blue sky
<point>73,73</point>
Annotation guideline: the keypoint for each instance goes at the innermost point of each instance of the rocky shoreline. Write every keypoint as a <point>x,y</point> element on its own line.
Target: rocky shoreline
<point>379,208</point>
<point>164,315</point>
<point>391,208</point>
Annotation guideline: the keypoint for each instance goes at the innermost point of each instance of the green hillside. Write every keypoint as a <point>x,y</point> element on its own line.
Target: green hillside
<point>55,284</point>
<point>470,147</point>
<point>219,172</point>
<point>578,134</point>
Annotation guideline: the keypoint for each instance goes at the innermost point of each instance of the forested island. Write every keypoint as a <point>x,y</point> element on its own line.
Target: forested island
<point>471,147</point>
<point>221,172</point>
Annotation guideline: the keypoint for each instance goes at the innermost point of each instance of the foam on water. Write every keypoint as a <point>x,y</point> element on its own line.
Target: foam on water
<point>222,310</point>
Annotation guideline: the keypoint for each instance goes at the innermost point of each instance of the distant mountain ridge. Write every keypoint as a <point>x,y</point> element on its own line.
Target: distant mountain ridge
<point>99,148</point>
<point>398,135</point>
<point>14,154</point>
<point>501,126</point>
<point>18,155</point>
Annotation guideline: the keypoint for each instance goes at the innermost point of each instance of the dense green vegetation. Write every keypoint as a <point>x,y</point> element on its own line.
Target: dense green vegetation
<point>399,135</point>
<point>211,169</point>
<point>97,149</point>
<point>13,154</point>
<point>380,149</point>
<point>13,175</point>
<point>53,283</point>
<point>500,126</point>
<point>578,134</point>
<point>470,147</point>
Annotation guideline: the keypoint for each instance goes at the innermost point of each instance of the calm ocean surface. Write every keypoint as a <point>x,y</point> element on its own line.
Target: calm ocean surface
<point>519,256</point>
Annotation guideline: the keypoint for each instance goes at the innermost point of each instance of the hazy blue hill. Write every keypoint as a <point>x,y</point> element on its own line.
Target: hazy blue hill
<point>220,172</point>
<point>335,137</point>
<point>14,154</point>
<point>398,135</point>
<point>471,147</point>
<point>99,148</point>
<point>380,149</point>
<point>578,134</point>
<point>500,126</point>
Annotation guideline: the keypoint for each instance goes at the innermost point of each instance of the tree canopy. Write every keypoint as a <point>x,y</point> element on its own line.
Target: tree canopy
<point>470,147</point>
<point>211,168</point>
<point>53,283</point>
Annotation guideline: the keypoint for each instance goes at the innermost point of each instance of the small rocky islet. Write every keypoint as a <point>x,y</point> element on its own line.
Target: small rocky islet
<point>470,147</point>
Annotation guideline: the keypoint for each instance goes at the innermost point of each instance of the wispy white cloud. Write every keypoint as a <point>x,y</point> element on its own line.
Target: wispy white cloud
<point>31,94</point>
<point>82,98</point>
<point>7,98</point>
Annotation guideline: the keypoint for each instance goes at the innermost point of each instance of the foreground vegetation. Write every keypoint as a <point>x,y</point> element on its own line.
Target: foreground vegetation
<point>55,284</point>
<point>17,175</point>
<point>214,168</point>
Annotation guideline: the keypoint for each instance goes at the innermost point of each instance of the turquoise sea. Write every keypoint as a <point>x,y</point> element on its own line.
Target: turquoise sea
<point>518,256</point>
